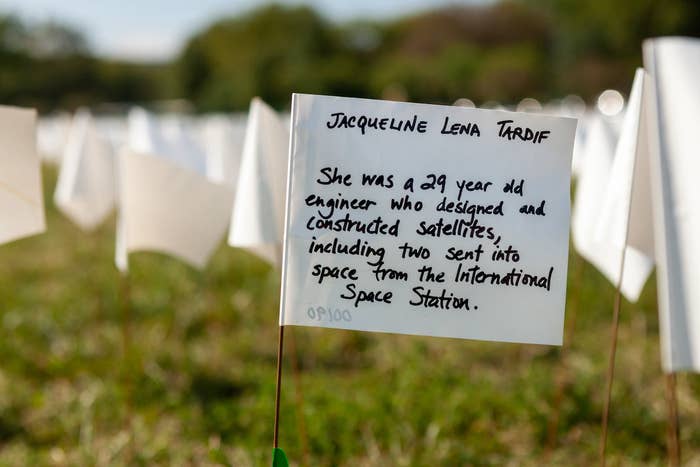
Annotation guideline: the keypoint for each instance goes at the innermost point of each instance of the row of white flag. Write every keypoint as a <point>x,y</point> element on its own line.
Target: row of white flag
<point>178,185</point>
<point>174,193</point>
<point>637,200</point>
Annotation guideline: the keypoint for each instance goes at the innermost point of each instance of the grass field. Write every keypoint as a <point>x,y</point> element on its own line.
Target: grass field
<point>197,387</point>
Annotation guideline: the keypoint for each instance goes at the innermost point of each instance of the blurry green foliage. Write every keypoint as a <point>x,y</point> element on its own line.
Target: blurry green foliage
<point>268,53</point>
<point>501,51</point>
<point>49,66</point>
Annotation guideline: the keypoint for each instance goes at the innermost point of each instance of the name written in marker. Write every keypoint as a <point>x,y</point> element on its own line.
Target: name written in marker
<point>471,129</point>
<point>511,132</point>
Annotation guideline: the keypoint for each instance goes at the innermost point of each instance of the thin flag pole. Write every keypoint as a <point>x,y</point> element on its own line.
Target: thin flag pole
<point>296,376</point>
<point>673,427</point>
<point>301,425</point>
<point>125,296</point>
<point>278,386</point>
<point>610,375</point>
<point>611,366</point>
<point>561,376</point>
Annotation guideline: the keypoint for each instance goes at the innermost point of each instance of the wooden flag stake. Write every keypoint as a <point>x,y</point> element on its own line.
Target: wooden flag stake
<point>673,427</point>
<point>278,385</point>
<point>615,327</point>
<point>613,337</point>
<point>611,366</point>
<point>296,375</point>
<point>562,370</point>
<point>279,458</point>
<point>125,296</point>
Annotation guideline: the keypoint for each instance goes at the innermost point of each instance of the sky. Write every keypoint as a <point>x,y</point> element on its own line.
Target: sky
<point>155,30</point>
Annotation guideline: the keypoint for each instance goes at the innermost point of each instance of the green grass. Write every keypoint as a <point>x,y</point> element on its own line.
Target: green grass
<point>198,383</point>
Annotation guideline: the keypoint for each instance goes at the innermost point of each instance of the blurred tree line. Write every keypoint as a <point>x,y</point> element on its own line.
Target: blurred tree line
<point>499,51</point>
<point>49,66</point>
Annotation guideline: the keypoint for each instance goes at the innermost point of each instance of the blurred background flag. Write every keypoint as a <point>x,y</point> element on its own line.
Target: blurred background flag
<point>674,66</point>
<point>590,190</point>
<point>222,137</point>
<point>257,222</point>
<point>619,211</point>
<point>21,200</point>
<point>166,202</point>
<point>52,135</point>
<point>85,190</point>
<point>167,136</point>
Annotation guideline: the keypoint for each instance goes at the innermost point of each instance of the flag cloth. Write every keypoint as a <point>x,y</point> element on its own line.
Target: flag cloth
<point>51,136</point>
<point>166,202</point>
<point>21,198</point>
<point>85,190</point>
<point>673,64</point>
<point>590,190</point>
<point>580,144</point>
<point>166,137</point>
<point>222,138</point>
<point>257,222</point>
<point>620,210</point>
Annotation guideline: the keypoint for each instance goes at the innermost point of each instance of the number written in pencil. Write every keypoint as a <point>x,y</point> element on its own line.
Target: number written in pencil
<point>320,313</point>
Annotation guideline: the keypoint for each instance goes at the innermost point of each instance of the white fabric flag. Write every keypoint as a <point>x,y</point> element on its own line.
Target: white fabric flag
<point>580,144</point>
<point>165,136</point>
<point>51,136</point>
<point>674,67</point>
<point>620,210</point>
<point>222,137</point>
<point>113,129</point>
<point>402,218</point>
<point>165,203</point>
<point>257,221</point>
<point>590,190</point>
<point>85,191</point>
<point>21,199</point>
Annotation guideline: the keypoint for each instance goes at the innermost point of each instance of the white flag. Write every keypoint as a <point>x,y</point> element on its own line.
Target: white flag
<point>621,210</point>
<point>222,137</point>
<point>674,67</point>
<point>257,222</point>
<point>427,220</point>
<point>85,191</point>
<point>21,199</point>
<point>165,203</point>
<point>113,129</point>
<point>579,154</point>
<point>51,136</point>
<point>590,191</point>
<point>166,136</point>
